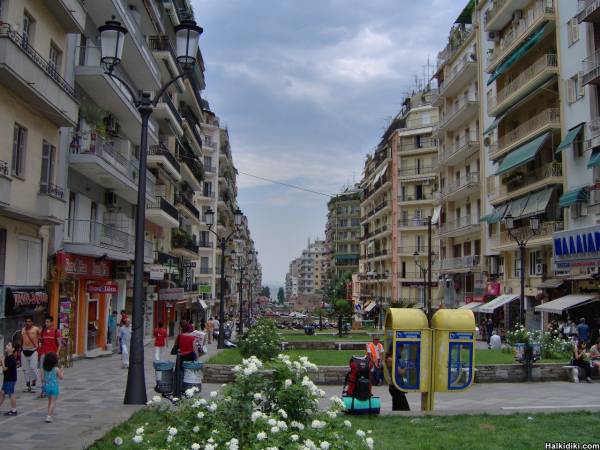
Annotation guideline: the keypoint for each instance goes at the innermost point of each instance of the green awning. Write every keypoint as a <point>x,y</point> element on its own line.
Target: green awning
<point>493,125</point>
<point>579,195</point>
<point>523,154</point>
<point>495,216</point>
<point>594,158</point>
<point>517,207</point>
<point>570,137</point>
<point>466,14</point>
<point>537,202</point>
<point>518,53</point>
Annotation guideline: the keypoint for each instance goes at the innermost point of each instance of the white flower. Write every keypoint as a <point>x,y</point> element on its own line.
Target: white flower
<point>172,431</point>
<point>317,424</point>
<point>261,436</point>
<point>169,438</point>
<point>369,442</point>
<point>322,393</point>
<point>287,383</point>
<point>212,407</point>
<point>294,437</point>
<point>138,439</point>
<point>140,430</point>
<point>282,413</point>
<point>118,441</point>
<point>191,391</point>
<point>214,394</point>
<point>325,445</point>
<point>156,399</point>
<point>234,444</point>
<point>258,396</point>
<point>272,422</point>
<point>309,444</point>
<point>360,433</point>
<point>196,429</point>
<point>255,416</point>
<point>347,424</point>
<point>275,429</point>
<point>195,446</point>
<point>210,447</point>
<point>298,425</point>
<point>336,401</point>
<point>202,401</point>
<point>200,415</point>
<point>332,414</point>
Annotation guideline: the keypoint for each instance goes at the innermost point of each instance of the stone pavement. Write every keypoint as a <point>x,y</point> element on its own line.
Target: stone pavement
<point>89,405</point>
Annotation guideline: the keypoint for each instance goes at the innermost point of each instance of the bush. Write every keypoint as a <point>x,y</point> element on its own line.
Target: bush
<point>262,340</point>
<point>551,346</point>
<point>254,413</point>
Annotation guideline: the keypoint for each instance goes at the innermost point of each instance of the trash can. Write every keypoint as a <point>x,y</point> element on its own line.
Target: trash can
<point>309,330</point>
<point>164,376</point>
<point>192,374</point>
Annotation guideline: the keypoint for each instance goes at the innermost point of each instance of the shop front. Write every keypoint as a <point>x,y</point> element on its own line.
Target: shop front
<point>170,308</point>
<point>17,302</point>
<point>87,295</point>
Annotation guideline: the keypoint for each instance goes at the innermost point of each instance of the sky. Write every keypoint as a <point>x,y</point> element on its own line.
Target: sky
<point>306,88</point>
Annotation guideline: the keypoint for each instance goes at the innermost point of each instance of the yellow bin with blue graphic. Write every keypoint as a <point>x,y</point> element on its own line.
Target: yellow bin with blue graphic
<point>454,349</point>
<point>407,337</point>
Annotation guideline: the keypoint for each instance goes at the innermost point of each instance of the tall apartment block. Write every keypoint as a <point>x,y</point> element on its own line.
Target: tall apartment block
<point>312,268</point>
<point>342,232</point>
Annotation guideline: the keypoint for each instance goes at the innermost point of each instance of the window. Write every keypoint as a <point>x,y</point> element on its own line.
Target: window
<point>1,8</point>
<point>535,263</point>
<point>575,89</point>
<point>29,261</point>
<point>460,363</point>
<point>516,265</point>
<point>48,163</point>
<point>573,31</point>
<point>55,58</point>
<point>578,210</point>
<point>27,31</point>
<point>19,145</point>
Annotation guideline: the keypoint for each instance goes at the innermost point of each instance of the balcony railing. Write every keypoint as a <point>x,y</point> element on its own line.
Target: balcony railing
<point>378,208</point>
<point>192,121</point>
<point>415,197</point>
<point>164,151</point>
<point>457,71</point>
<point>414,222</point>
<point>52,190</point>
<point>463,143</point>
<point>587,9</point>
<point>210,143</point>
<point>491,13</point>
<point>162,44</point>
<point>411,249</point>
<point>417,274</point>
<point>518,179</point>
<point>205,270</point>
<point>462,262</point>
<point>169,101</point>
<point>208,194</point>
<point>101,235</point>
<point>162,204</point>
<point>550,116</point>
<point>460,223</point>
<point>531,19</point>
<point>546,230</point>
<point>381,182</point>
<point>39,60</point>
<point>469,179</point>
<point>421,170</point>
<point>426,143</point>
<point>459,34</point>
<point>182,200</point>
<point>205,244</point>
<point>548,61</point>
<point>181,239</point>
<point>457,108</point>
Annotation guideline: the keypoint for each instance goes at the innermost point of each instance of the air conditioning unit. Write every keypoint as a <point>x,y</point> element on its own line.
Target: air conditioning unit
<point>539,269</point>
<point>494,36</point>
<point>110,198</point>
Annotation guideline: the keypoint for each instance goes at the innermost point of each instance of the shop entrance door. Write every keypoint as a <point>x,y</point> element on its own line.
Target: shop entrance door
<point>92,324</point>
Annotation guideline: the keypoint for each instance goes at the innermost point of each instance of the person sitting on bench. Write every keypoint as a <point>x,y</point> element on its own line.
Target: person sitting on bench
<point>581,359</point>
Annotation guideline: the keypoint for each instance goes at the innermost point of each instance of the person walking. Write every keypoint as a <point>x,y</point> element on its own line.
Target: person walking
<point>51,374</point>
<point>112,328</point>
<point>210,328</point>
<point>125,339</point>
<point>399,401</point>
<point>375,353</point>
<point>30,342</point>
<point>489,328</point>
<point>186,349</point>
<point>51,342</point>
<point>8,364</point>
<point>216,328</point>
<point>160,342</point>
<point>583,331</point>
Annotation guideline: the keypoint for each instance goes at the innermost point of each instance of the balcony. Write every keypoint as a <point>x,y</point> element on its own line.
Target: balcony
<point>373,214</point>
<point>191,125</point>
<point>187,208</point>
<point>464,147</point>
<point>428,144</point>
<point>203,270</point>
<point>414,199</point>
<point>417,172</point>
<point>206,196</point>
<point>520,181</point>
<point>209,143</point>
<point>462,73</point>
<point>96,239</point>
<point>159,155</point>
<point>5,184</point>
<point>409,250</point>
<point>523,84</point>
<point>98,159</point>
<point>191,168</point>
<point>377,233</point>
<point>460,112</point>
<point>459,34</point>
<point>461,226</point>
<point>512,38</point>
<point>162,213</point>
<point>417,276</point>
<point>25,73</point>
<point>461,264</point>
<point>589,11</point>
<point>51,203</point>
<point>167,111</point>
<point>462,187</point>
<point>110,94</point>
<point>543,236</point>
<point>183,245</point>
<point>501,13</point>
<point>414,223</point>
<point>69,14</point>
<point>163,51</point>
<point>382,183</point>
<point>548,119</point>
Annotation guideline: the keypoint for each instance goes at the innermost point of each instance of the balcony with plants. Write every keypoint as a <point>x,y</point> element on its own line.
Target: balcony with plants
<point>192,169</point>
<point>183,244</point>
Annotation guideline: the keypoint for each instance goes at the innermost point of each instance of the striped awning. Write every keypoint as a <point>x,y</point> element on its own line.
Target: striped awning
<point>523,154</point>
<point>570,137</point>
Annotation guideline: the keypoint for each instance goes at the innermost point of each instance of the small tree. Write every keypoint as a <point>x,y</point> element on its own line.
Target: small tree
<point>341,309</point>
<point>280,296</point>
<point>262,340</point>
<point>265,292</point>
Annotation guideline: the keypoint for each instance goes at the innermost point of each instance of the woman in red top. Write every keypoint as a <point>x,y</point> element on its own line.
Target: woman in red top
<point>187,350</point>
<point>160,342</point>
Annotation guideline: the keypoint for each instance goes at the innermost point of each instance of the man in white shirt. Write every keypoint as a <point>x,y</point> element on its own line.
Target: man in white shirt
<point>125,339</point>
<point>495,341</point>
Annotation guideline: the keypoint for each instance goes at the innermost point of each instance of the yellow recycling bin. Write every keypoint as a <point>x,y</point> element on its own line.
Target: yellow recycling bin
<point>407,338</point>
<point>454,349</point>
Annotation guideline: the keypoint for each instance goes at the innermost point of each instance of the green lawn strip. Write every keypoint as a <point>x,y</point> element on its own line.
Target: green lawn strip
<point>480,431</point>
<point>148,418</point>
<point>341,358</point>
<point>293,337</point>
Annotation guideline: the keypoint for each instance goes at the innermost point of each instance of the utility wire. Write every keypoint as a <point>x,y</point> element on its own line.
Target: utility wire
<point>293,186</point>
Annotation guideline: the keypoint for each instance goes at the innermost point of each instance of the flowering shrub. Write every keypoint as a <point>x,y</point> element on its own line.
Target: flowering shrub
<point>262,340</point>
<point>551,346</point>
<point>254,412</point>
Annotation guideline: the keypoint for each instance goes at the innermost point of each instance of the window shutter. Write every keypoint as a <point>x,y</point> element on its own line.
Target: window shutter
<point>15,155</point>
<point>570,91</point>
<point>580,86</point>
<point>44,179</point>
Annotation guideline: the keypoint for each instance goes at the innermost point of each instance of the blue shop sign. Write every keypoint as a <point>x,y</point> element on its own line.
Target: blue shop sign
<point>408,335</point>
<point>582,244</point>
<point>459,335</point>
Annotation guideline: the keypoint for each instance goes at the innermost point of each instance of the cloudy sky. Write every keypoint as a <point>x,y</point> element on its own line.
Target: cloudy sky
<point>306,89</point>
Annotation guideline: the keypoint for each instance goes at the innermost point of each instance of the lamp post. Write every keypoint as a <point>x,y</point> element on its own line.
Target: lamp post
<point>112,36</point>
<point>242,266</point>
<point>222,242</point>
<point>426,271</point>
<point>521,236</point>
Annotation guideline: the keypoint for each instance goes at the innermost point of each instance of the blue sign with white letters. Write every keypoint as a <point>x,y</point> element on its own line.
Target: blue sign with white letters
<point>576,246</point>
<point>408,335</point>
<point>455,335</point>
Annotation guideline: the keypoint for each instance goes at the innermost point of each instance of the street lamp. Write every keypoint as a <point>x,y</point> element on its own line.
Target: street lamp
<point>521,236</point>
<point>209,215</point>
<point>242,265</point>
<point>112,37</point>
<point>426,271</point>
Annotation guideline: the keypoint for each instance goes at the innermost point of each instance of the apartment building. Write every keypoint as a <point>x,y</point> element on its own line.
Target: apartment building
<point>38,105</point>
<point>342,232</point>
<point>313,267</point>
<point>292,279</point>
<point>459,166</point>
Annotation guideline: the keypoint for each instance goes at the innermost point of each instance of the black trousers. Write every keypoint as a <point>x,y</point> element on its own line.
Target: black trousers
<point>399,401</point>
<point>585,366</point>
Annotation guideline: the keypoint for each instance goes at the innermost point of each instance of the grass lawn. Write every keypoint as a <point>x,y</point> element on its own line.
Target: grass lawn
<point>341,358</point>
<point>355,337</point>
<point>435,432</point>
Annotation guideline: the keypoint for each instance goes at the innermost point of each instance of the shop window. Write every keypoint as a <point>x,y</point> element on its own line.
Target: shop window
<point>460,365</point>
<point>408,356</point>
<point>29,261</point>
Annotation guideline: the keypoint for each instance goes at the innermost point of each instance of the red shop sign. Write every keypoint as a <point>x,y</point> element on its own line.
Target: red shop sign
<point>493,288</point>
<point>108,288</point>
<point>84,266</point>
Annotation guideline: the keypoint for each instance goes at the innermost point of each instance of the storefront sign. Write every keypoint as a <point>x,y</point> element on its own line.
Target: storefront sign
<point>20,300</point>
<point>493,288</point>
<point>417,283</point>
<point>473,298</point>
<point>84,266</point>
<point>157,274</point>
<point>205,289</point>
<point>108,288</point>
<point>188,278</point>
<point>172,294</point>
<point>579,247</point>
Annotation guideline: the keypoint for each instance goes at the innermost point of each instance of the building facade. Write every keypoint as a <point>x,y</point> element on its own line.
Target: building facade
<point>342,232</point>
